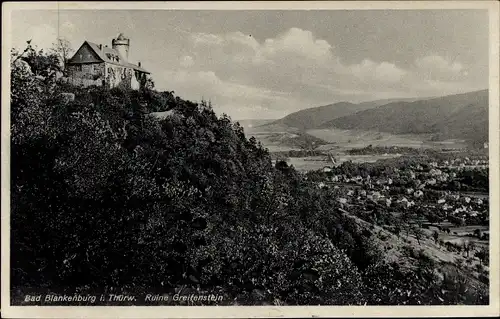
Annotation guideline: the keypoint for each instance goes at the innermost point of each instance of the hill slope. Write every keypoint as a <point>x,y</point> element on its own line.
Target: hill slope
<point>313,117</point>
<point>186,201</point>
<point>469,123</point>
<point>279,137</point>
<point>461,116</point>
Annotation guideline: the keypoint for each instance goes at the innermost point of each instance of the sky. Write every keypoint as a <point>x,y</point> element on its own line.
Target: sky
<point>266,64</point>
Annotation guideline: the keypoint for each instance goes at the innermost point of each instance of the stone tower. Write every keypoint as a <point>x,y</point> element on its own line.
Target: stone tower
<point>122,45</point>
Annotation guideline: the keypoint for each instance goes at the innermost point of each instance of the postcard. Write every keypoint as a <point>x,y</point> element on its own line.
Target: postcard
<point>250,159</point>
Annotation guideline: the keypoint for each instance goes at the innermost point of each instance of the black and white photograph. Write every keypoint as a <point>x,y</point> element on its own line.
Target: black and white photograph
<point>169,156</point>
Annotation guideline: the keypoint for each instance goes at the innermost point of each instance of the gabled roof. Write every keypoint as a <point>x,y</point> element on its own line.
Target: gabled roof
<point>102,54</point>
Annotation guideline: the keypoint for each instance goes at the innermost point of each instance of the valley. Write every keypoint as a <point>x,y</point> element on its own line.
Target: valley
<point>413,174</point>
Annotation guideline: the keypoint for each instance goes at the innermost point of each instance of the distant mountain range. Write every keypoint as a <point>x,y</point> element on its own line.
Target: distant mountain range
<point>460,116</point>
<point>314,117</point>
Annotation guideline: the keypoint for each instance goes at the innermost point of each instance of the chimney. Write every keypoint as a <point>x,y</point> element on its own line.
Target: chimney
<point>100,47</point>
<point>139,64</point>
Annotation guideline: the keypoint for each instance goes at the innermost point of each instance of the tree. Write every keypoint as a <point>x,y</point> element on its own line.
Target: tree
<point>457,221</point>
<point>191,196</point>
<point>308,144</point>
<point>433,217</point>
<point>62,48</point>
<point>150,84</point>
<point>15,55</point>
<point>102,191</point>
<point>469,261</point>
<point>435,235</point>
<point>477,233</point>
<point>417,232</point>
<point>441,242</point>
<point>405,221</point>
<point>472,247</point>
<point>466,247</point>
<point>482,255</point>
<point>397,230</point>
<point>41,63</point>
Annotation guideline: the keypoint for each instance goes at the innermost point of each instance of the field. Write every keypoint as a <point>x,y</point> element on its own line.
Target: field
<point>359,139</point>
<point>251,123</point>
<point>459,235</point>
<point>278,137</point>
<point>276,142</point>
<point>318,162</point>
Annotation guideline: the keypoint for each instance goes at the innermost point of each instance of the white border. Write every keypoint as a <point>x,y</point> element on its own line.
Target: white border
<point>258,311</point>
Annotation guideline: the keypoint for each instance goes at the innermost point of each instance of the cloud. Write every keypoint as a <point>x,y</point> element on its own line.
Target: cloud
<point>238,38</point>
<point>297,42</point>
<point>270,70</point>
<point>296,70</point>
<point>438,62</point>
<point>435,67</point>
<point>187,61</point>
<point>284,62</point>
<point>383,72</point>
<point>206,39</point>
<point>430,87</point>
<point>235,99</point>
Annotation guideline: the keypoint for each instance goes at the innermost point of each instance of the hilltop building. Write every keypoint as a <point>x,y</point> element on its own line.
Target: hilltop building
<point>95,64</point>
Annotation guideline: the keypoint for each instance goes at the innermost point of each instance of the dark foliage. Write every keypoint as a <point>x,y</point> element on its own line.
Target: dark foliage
<point>105,196</point>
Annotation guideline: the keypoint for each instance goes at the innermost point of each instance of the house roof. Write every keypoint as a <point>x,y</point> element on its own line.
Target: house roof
<point>102,54</point>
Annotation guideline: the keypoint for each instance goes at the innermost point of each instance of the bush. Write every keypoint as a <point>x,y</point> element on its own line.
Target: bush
<point>106,197</point>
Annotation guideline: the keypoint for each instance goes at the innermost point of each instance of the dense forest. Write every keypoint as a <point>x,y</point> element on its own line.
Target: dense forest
<point>105,196</point>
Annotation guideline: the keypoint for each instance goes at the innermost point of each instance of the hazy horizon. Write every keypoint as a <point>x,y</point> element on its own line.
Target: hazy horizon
<point>267,64</point>
<point>420,98</point>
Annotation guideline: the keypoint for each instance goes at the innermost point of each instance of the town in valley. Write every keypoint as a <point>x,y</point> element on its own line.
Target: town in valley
<point>270,158</point>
